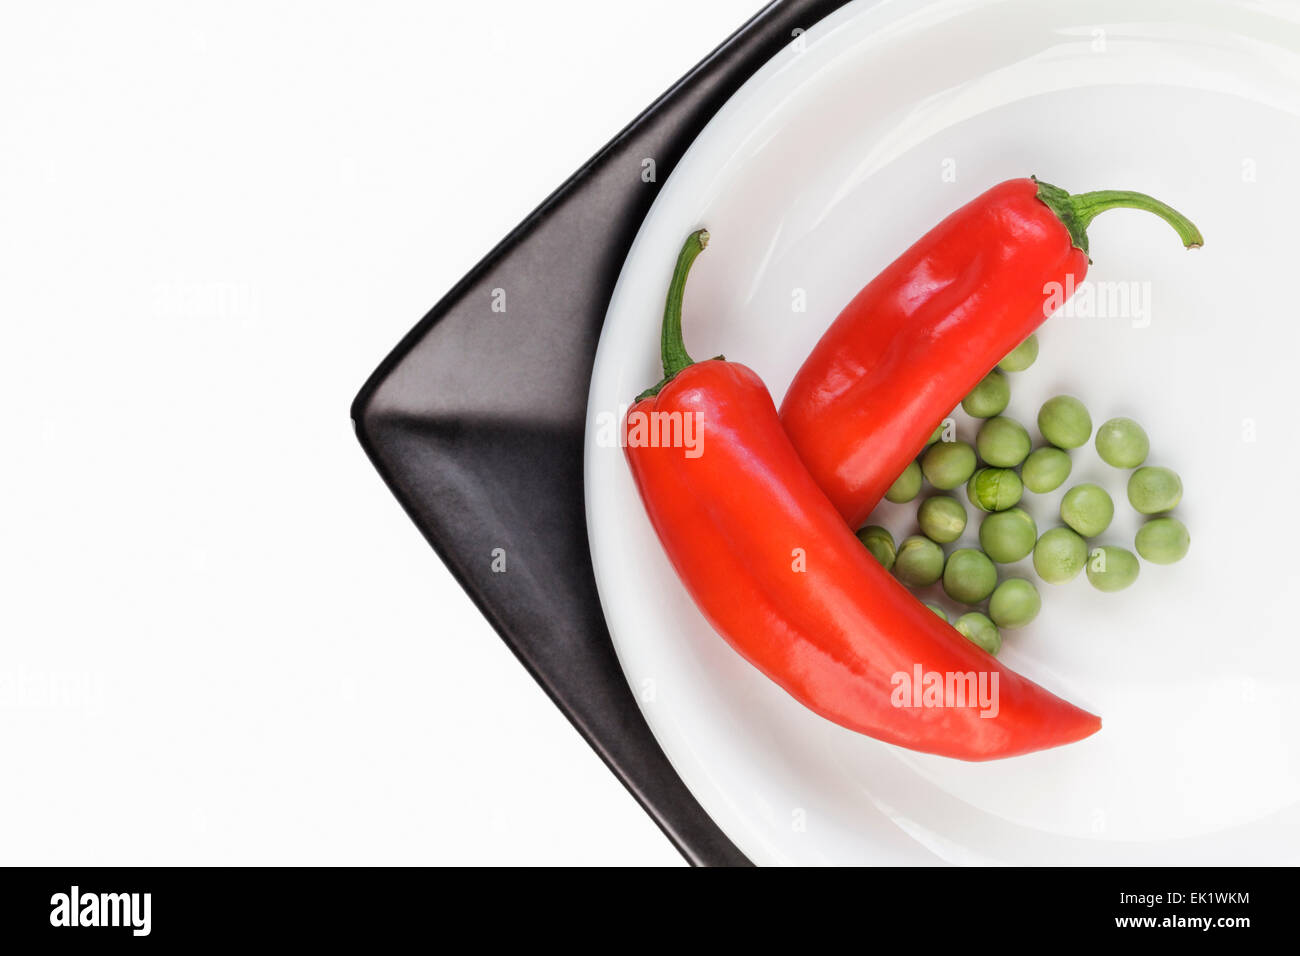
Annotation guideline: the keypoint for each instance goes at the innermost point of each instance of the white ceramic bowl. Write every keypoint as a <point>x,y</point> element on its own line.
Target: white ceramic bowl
<point>847,146</point>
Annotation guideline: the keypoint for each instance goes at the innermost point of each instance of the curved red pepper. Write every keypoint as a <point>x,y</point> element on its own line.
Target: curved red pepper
<point>778,574</point>
<point>924,332</point>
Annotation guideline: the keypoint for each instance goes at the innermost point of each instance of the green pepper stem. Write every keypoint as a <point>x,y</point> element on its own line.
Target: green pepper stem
<point>672,345</point>
<point>1078,211</point>
<point>1088,205</point>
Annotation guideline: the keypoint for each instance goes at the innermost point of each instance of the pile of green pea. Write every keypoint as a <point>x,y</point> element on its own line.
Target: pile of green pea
<point>996,471</point>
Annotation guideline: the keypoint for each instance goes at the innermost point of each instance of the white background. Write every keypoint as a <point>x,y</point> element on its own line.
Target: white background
<point>221,641</point>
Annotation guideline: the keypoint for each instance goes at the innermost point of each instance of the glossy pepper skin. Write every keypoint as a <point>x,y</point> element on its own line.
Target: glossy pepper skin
<point>775,570</point>
<point>923,333</point>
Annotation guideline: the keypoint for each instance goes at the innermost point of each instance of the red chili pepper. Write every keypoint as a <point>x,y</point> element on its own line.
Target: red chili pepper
<point>780,576</point>
<point>924,332</point>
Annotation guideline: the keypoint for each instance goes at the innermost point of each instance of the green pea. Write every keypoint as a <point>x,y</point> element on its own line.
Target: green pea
<point>1014,603</point>
<point>1059,555</point>
<point>937,610</point>
<point>880,543</point>
<point>1064,421</point>
<point>919,562</point>
<point>994,489</point>
<point>1163,540</point>
<point>1112,569</point>
<point>907,486</point>
<point>1122,442</point>
<point>990,397</point>
<point>1003,442</point>
<point>1045,470</point>
<point>947,464</point>
<point>934,435</point>
<point>1087,509</point>
<point>1008,535</point>
<point>942,518</point>
<point>980,631</point>
<point>969,576</point>
<point>1152,490</point>
<point>1022,356</point>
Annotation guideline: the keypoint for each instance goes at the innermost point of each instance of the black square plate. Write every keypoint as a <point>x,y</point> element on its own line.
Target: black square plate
<point>477,423</point>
